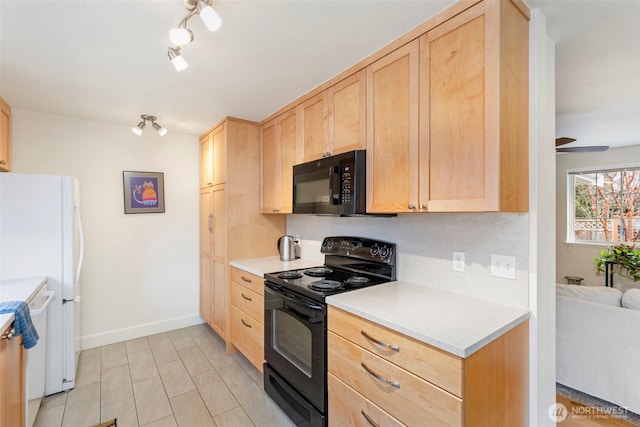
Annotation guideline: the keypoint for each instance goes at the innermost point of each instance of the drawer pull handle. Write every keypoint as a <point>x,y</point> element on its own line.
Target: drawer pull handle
<point>9,335</point>
<point>368,418</point>
<point>245,279</point>
<point>379,377</point>
<point>380,343</point>
<point>3,162</point>
<point>245,297</point>
<point>245,323</point>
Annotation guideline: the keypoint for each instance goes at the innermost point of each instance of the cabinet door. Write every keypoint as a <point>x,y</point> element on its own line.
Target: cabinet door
<point>455,76</point>
<point>5,136</point>
<point>219,261</point>
<point>219,155</point>
<point>206,248</point>
<point>206,160</point>
<point>313,121</point>
<point>270,169</point>
<point>348,114</point>
<point>12,381</point>
<point>392,133</point>
<point>287,160</point>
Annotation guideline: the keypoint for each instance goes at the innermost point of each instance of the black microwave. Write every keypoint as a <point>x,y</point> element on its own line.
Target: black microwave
<point>334,185</point>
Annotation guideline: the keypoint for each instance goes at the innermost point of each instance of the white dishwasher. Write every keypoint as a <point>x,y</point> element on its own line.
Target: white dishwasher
<point>37,356</point>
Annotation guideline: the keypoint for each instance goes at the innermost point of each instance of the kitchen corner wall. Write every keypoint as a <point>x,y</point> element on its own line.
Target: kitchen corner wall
<point>140,271</point>
<point>425,243</point>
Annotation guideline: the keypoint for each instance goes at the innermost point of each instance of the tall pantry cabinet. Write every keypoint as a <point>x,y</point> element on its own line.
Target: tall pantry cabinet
<point>231,226</point>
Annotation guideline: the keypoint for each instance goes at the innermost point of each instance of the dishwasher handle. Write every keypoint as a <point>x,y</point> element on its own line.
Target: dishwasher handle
<point>38,311</point>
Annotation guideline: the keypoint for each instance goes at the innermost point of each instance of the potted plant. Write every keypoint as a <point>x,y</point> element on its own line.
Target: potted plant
<point>622,259</point>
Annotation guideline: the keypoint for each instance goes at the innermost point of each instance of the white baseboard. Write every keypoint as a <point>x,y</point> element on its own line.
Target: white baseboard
<point>138,331</point>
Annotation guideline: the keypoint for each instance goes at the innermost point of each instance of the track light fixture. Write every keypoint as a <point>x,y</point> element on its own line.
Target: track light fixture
<point>181,35</point>
<point>145,118</point>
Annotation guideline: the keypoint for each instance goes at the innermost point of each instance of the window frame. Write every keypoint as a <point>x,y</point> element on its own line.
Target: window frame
<point>570,237</point>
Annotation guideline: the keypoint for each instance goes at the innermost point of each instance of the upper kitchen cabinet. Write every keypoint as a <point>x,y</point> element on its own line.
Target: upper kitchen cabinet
<point>448,116</point>
<point>313,122</point>
<point>213,147</point>
<point>474,111</point>
<point>5,136</point>
<point>392,133</point>
<point>348,114</point>
<point>334,121</point>
<point>278,152</point>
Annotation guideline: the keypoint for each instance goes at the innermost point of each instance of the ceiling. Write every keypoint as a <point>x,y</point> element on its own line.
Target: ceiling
<point>106,59</point>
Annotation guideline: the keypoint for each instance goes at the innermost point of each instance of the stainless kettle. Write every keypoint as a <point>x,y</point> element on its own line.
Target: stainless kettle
<point>287,248</point>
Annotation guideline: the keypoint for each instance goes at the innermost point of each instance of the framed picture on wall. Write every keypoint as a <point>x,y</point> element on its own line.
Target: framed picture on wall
<point>143,192</point>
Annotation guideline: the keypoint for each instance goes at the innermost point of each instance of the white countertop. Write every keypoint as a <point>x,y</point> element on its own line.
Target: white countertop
<point>271,264</point>
<point>455,323</point>
<point>18,290</point>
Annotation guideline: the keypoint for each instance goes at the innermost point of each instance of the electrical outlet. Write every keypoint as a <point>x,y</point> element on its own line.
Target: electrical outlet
<point>503,266</point>
<point>458,261</point>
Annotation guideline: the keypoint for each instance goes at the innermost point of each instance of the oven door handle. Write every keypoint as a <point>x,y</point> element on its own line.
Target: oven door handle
<point>294,302</point>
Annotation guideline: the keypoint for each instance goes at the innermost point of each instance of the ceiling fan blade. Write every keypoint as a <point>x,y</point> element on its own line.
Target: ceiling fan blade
<point>585,149</point>
<point>563,140</point>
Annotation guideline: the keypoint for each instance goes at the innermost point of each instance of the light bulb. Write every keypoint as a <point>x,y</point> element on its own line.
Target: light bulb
<point>138,129</point>
<point>208,16</point>
<point>176,59</point>
<point>162,131</point>
<point>181,36</point>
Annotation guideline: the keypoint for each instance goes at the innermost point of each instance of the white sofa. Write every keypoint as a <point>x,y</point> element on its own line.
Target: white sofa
<point>598,343</point>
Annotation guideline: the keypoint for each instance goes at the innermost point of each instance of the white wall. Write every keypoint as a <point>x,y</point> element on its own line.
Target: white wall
<point>141,271</point>
<point>577,259</point>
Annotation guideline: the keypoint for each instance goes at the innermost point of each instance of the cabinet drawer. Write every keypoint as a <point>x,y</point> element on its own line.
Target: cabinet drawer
<point>349,408</point>
<point>413,400</point>
<point>432,364</point>
<point>251,281</point>
<point>247,334</point>
<point>248,301</point>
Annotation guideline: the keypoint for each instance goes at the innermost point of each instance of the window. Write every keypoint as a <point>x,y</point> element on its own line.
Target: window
<point>604,205</point>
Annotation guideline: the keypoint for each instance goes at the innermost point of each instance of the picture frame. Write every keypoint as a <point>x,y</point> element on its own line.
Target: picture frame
<point>143,192</point>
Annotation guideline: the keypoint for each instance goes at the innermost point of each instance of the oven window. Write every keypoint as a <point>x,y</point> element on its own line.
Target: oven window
<point>292,340</point>
<point>313,192</point>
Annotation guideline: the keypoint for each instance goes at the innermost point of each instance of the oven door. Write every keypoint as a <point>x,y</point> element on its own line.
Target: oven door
<point>295,341</point>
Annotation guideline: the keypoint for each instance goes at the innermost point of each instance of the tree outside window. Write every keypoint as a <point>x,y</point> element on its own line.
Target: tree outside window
<point>606,205</point>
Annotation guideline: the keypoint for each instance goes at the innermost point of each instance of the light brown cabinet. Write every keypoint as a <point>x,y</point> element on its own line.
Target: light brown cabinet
<point>474,83</point>
<point>12,379</point>
<point>247,315</point>
<point>334,121</point>
<point>231,226</point>
<point>278,155</point>
<point>213,157</point>
<point>313,125</point>
<point>466,80</point>
<point>5,136</point>
<point>417,384</point>
<point>392,134</point>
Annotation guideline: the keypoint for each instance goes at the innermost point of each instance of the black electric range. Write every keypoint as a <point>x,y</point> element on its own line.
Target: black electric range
<point>350,263</point>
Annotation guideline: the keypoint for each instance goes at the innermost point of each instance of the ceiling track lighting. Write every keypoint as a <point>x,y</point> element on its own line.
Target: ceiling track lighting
<point>181,35</point>
<point>147,118</point>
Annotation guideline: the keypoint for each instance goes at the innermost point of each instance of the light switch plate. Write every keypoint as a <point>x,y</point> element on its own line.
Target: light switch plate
<point>503,266</point>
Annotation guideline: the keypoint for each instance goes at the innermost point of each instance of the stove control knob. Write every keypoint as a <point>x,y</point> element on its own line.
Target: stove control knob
<point>327,245</point>
<point>384,252</point>
<point>374,250</point>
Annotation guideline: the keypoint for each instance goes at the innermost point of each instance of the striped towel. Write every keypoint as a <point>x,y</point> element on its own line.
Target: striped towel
<point>22,324</point>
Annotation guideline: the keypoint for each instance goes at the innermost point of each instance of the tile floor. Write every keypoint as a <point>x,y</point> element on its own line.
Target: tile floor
<point>178,378</point>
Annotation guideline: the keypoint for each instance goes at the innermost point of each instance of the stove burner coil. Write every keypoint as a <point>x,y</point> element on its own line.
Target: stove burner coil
<point>318,271</point>
<point>325,285</point>
<point>357,281</point>
<point>291,274</point>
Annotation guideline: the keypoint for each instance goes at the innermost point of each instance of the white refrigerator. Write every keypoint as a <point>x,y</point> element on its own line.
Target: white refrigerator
<point>41,235</point>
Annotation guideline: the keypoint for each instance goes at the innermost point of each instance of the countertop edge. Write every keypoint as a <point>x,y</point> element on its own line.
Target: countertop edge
<point>8,318</point>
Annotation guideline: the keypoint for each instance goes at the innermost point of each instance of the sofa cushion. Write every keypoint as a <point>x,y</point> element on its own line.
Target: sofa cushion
<point>599,294</point>
<point>631,299</point>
